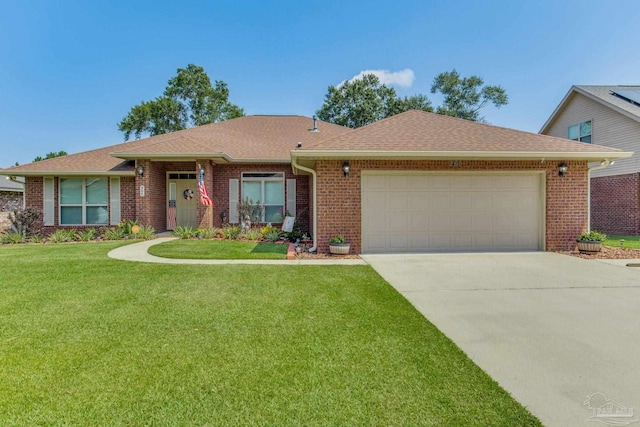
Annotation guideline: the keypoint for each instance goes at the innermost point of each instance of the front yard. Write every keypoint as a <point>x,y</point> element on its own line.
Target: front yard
<point>87,340</point>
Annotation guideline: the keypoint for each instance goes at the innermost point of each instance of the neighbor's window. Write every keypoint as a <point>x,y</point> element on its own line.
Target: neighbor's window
<point>580,132</point>
<point>83,201</point>
<point>266,188</point>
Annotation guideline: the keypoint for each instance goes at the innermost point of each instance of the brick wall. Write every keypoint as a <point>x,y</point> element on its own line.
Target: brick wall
<point>615,204</point>
<point>220,194</point>
<point>339,203</point>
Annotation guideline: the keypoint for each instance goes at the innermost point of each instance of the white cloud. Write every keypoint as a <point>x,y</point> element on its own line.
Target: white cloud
<point>403,78</point>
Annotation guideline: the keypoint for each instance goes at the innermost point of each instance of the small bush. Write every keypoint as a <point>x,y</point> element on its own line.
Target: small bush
<point>252,234</point>
<point>207,233</point>
<point>272,236</point>
<point>184,232</point>
<point>12,238</point>
<point>126,225</point>
<point>113,233</point>
<point>231,232</point>
<point>592,236</point>
<point>146,232</point>
<point>268,229</point>
<point>62,236</point>
<point>86,235</point>
<point>36,239</point>
<point>337,240</point>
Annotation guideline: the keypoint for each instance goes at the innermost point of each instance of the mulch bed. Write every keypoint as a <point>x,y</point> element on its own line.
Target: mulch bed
<point>607,252</point>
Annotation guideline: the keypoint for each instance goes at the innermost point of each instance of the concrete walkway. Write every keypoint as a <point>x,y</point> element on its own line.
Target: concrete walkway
<point>138,252</point>
<point>551,329</point>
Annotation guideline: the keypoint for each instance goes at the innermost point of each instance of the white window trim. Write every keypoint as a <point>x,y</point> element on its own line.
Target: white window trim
<point>279,178</point>
<point>84,203</point>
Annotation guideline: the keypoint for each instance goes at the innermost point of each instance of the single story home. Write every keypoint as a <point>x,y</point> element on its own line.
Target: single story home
<point>413,182</point>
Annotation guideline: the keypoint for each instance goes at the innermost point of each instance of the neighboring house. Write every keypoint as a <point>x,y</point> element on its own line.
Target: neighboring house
<point>11,198</point>
<point>413,182</point>
<point>609,116</point>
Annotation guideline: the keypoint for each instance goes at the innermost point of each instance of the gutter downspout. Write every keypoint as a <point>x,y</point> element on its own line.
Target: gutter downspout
<point>603,164</point>
<point>23,184</point>
<point>295,166</point>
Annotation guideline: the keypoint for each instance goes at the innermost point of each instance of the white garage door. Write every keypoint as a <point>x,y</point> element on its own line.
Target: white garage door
<point>431,212</point>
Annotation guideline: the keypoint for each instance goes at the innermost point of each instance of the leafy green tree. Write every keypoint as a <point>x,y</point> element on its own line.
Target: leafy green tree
<point>188,100</point>
<point>50,155</point>
<point>464,97</point>
<point>364,101</point>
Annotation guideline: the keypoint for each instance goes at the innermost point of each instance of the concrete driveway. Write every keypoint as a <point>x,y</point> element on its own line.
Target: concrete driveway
<point>551,329</point>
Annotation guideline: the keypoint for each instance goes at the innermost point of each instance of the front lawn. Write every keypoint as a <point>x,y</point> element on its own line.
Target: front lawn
<point>88,340</point>
<point>632,242</point>
<point>218,249</point>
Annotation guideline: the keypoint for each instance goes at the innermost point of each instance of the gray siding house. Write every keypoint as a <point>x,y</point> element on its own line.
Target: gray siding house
<point>610,116</point>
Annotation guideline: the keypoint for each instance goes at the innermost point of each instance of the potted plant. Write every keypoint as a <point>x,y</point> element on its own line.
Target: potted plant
<point>591,241</point>
<point>338,245</point>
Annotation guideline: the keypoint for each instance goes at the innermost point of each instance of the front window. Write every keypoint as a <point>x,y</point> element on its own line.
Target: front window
<point>266,188</point>
<point>83,201</point>
<point>580,132</point>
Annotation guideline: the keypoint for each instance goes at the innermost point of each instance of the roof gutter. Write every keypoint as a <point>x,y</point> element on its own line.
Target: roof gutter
<point>294,166</point>
<point>603,164</point>
<point>462,155</point>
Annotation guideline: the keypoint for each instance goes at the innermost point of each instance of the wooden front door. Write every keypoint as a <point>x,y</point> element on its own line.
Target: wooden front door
<point>182,203</point>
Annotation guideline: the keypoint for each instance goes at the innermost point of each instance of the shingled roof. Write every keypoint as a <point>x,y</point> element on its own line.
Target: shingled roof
<point>603,95</point>
<point>242,140</point>
<point>418,134</point>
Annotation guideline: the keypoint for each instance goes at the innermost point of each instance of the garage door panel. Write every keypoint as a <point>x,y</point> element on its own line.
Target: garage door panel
<point>458,211</point>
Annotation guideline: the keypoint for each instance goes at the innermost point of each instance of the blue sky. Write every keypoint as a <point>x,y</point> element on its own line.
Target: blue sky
<point>71,70</point>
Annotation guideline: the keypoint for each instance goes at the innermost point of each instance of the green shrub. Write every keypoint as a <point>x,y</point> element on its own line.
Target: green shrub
<point>206,233</point>
<point>272,236</point>
<point>113,233</point>
<point>231,232</point>
<point>592,236</point>
<point>62,236</point>
<point>184,232</point>
<point>146,232</point>
<point>252,234</point>
<point>337,240</point>
<point>36,239</point>
<point>268,229</point>
<point>12,238</point>
<point>86,235</point>
<point>126,225</point>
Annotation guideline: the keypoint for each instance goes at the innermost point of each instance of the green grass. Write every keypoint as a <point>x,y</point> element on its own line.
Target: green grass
<point>632,242</point>
<point>218,249</point>
<point>88,340</point>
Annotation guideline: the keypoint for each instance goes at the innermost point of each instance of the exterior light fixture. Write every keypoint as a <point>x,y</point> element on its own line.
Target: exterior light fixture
<point>346,168</point>
<point>562,169</point>
<point>201,169</point>
<point>140,170</point>
<point>223,216</point>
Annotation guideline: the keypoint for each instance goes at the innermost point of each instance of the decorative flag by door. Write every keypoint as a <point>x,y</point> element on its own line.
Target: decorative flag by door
<point>172,215</point>
<point>204,197</point>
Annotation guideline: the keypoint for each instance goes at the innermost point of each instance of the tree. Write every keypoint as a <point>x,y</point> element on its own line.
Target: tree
<point>366,100</point>
<point>464,97</point>
<point>50,155</point>
<point>188,100</point>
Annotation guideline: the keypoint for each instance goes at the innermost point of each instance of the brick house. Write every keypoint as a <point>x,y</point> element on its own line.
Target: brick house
<point>609,116</point>
<point>11,199</point>
<point>413,182</point>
